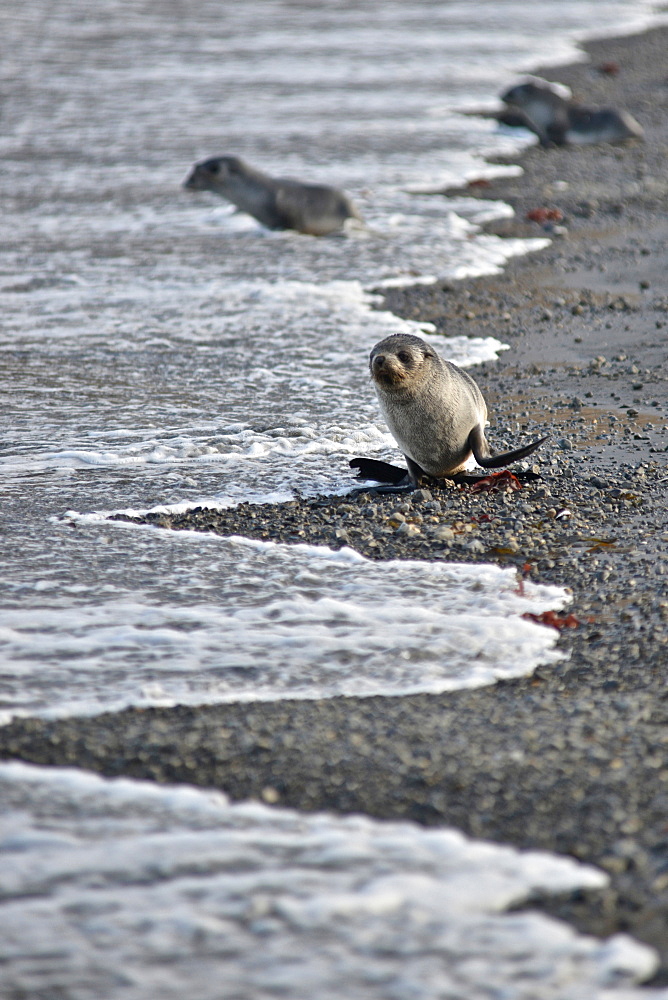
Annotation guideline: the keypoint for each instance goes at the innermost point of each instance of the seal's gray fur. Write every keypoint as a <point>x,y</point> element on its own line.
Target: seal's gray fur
<point>276,202</point>
<point>543,107</point>
<point>435,411</point>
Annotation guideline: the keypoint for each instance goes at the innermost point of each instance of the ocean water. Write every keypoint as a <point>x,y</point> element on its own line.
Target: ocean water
<point>253,620</point>
<point>158,349</point>
<point>118,888</point>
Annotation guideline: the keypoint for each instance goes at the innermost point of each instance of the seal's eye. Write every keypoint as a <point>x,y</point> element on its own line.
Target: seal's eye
<point>214,168</point>
<point>404,357</point>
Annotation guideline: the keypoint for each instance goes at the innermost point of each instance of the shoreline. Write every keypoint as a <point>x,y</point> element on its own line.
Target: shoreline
<point>574,758</point>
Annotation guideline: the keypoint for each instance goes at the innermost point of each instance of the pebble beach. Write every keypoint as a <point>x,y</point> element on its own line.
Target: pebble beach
<point>572,759</point>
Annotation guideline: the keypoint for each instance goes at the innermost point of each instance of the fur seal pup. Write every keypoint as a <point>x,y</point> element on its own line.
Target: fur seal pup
<point>276,202</point>
<point>548,110</point>
<point>435,411</point>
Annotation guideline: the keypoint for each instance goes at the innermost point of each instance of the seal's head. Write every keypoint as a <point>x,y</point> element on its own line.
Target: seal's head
<point>533,89</point>
<point>215,173</point>
<point>400,362</point>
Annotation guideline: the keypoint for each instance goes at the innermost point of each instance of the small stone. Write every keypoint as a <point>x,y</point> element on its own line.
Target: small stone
<point>395,519</point>
<point>443,533</point>
<point>421,496</point>
<point>612,864</point>
<point>407,530</point>
<point>270,795</point>
<point>476,546</point>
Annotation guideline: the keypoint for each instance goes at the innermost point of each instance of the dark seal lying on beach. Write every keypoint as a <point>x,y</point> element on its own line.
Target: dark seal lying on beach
<point>435,411</point>
<point>548,110</point>
<point>276,202</point>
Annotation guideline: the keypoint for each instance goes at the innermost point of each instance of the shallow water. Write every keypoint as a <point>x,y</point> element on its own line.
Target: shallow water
<point>158,349</point>
<point>123,888</point>
<point>196,620</point>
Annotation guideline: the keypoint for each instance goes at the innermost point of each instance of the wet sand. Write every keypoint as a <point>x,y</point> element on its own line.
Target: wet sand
<point>575,758</point>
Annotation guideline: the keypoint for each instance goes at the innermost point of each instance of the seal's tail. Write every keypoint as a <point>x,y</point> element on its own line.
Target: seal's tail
<point>483,457</point>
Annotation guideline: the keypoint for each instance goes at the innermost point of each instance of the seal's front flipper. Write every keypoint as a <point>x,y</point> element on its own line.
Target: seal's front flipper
<point>393,479</point>
<point>415,472</point>
<point>396,479</point>
<point>381,472</point>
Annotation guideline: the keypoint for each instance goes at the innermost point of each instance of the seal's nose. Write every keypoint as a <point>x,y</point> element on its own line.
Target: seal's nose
<point>191,180</point>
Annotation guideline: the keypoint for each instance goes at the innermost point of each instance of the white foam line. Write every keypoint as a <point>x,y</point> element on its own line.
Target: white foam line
<point>320,622</point>
<point>149,891</point>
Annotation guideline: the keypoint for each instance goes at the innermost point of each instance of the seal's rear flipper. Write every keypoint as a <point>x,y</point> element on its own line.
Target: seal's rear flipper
<point>381,472</point>
<point>478,446</point>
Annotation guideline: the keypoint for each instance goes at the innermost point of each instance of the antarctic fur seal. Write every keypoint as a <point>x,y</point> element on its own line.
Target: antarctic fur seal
<point>548,110</point>
<point>435,411</point>
<point>276,202</point>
